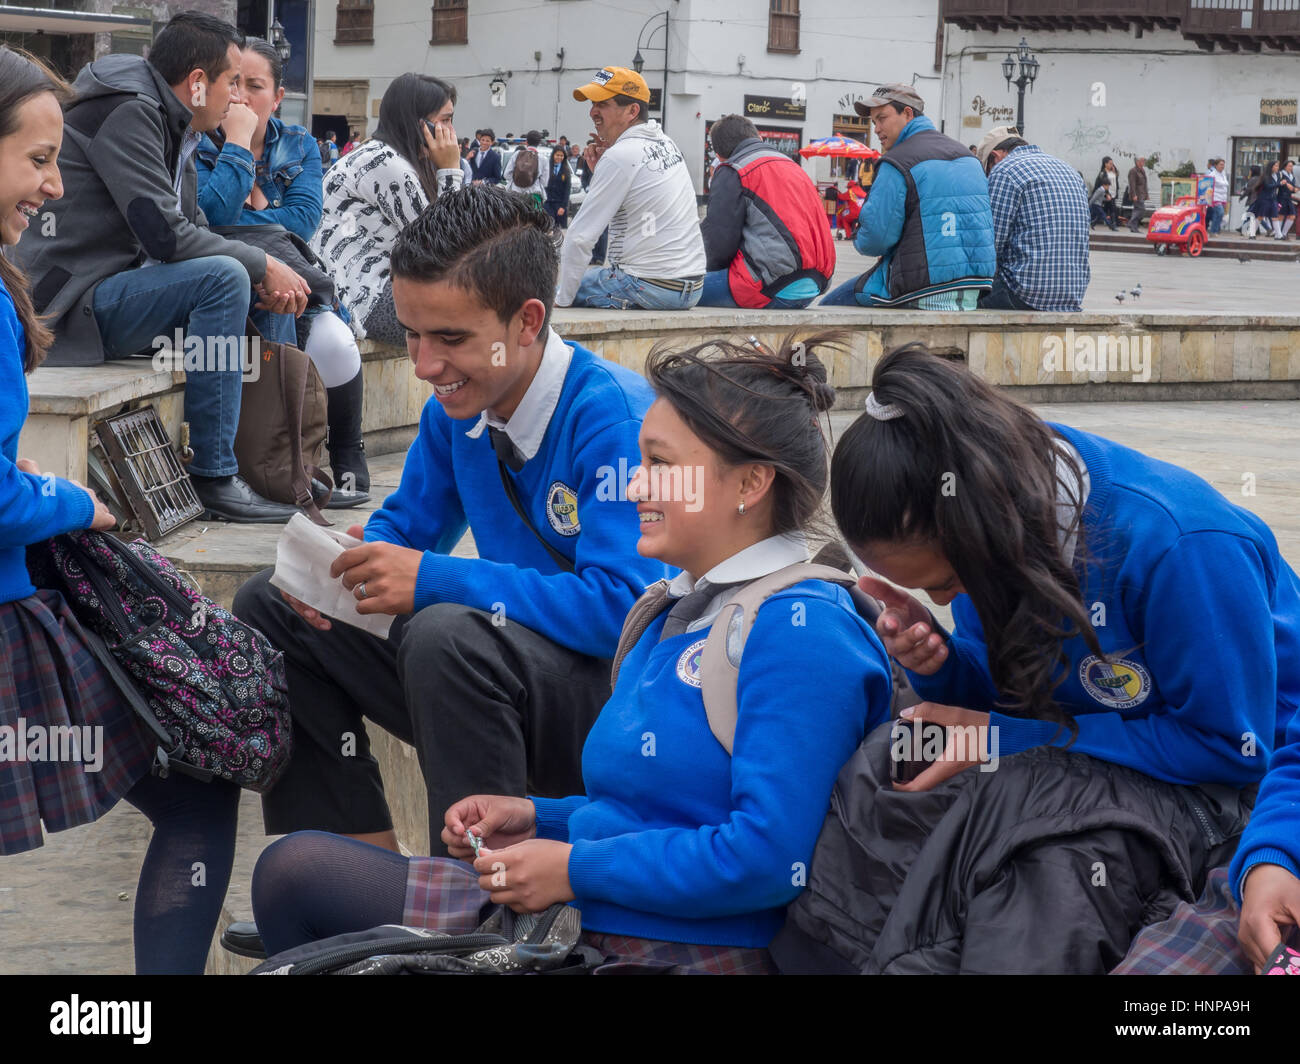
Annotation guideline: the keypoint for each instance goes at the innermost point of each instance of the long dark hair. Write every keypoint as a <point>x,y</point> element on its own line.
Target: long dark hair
<point>23,76</point>
<point>401,116</point>
<point>1102,173</point>
<point>751,404</point>
<point>975,475</point>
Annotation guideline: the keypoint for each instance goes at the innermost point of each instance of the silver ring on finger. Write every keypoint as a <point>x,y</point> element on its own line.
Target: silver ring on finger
<point>361,590</point>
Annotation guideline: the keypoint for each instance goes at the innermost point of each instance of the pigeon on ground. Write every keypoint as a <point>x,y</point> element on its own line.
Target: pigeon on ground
<point>1243,258</point>
<point>1136,292</point>
<point>1119,296</point>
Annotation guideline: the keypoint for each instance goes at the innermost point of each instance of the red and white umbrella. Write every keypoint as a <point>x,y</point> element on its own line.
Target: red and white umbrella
<point>838,146</point>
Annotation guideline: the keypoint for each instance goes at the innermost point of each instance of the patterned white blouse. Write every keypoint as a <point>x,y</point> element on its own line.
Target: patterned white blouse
<point>371,195</point>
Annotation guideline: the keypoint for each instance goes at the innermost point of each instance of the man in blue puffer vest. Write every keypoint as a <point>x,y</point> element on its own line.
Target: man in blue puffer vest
<point>927,216</point>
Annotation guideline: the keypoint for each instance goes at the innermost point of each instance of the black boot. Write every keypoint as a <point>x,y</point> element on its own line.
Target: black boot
<point>346,447</point>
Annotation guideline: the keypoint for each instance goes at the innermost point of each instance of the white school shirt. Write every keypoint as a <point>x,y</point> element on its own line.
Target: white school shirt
<point>527,425</point>
<point>761,559</point>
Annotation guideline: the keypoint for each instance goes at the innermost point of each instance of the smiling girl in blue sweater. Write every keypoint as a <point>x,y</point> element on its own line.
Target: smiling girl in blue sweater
<point>677,854</point>
<point>1101,599</point>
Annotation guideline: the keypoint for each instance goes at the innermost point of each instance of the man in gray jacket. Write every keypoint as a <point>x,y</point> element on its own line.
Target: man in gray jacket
<point>125,258</point>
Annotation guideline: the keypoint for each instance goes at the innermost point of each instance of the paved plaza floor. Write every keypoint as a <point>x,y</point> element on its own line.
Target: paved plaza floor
<point>66,908</point>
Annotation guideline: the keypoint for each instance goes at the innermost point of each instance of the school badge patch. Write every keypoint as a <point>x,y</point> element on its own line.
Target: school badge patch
<point>562,509</point>
<point>688,665</point>
<point>1116,685</point>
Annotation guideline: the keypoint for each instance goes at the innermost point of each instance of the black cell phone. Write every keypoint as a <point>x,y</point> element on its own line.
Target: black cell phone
<point>908,748</point>
<point>433,130</point>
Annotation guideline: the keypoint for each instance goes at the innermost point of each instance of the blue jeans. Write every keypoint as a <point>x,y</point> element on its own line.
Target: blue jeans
<point>717,293</point>
<point>608,286</point>
<point>1000,297</point>
<point>843,296</point>
<point>1214,219</point>
<point>203,297</point>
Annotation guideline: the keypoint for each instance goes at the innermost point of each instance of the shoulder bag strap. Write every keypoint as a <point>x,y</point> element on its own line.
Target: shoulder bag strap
<point>512,493</point>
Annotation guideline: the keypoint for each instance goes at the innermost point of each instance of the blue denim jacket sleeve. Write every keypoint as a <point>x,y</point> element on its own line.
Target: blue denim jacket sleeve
<point>301,202</point>
<point>224,181</point>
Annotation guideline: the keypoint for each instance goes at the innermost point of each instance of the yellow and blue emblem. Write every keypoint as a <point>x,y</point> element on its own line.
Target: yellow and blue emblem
<point>688,665</point>
<point>562,509</point>
<point>1116,684</point>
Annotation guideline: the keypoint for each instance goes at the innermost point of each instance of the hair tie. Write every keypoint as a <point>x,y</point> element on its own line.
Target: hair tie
<point>881,412</point>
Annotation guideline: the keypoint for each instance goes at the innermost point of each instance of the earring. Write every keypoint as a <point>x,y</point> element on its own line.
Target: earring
<point>741,508</point>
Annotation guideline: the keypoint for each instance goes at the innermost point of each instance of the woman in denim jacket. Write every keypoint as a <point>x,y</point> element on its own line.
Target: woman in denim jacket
<point>269,172</point>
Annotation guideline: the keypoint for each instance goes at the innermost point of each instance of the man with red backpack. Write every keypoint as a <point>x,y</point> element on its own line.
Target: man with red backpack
<point>766,238</point>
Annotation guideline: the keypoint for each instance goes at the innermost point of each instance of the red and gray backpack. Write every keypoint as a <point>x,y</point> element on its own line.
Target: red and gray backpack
<point>210,689</point>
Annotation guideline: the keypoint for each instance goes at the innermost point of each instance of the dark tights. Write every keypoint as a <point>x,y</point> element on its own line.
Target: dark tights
<point>186,870</point>
<point>312,885</point>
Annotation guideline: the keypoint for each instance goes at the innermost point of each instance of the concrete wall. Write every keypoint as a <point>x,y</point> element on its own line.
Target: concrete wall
<point>845,51</point>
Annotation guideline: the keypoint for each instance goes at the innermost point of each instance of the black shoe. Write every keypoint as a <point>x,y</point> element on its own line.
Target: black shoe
<point>231,499</point>
<point>244,939</point>
<point>351,477</point>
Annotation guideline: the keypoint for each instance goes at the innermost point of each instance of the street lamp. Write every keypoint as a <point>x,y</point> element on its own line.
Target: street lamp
<point>638,60</point>
<point>280,42</point>
<point>1028,72</point>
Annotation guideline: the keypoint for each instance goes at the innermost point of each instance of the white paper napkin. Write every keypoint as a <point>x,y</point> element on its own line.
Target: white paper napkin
<point>303,556</point>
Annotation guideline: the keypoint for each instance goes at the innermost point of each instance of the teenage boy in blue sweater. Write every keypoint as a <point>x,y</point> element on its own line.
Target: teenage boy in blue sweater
<point>497,665</point>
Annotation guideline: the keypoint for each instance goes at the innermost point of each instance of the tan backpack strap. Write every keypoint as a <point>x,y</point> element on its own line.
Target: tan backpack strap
<point>651,603</point>
<point>720,661</point>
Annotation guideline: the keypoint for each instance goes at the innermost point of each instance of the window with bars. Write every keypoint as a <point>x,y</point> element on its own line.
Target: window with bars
<point>450,22</point>
<point>783,26</point>
<point>354,22</point>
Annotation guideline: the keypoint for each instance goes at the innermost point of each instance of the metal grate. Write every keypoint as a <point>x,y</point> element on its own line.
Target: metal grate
<point>154,485</point>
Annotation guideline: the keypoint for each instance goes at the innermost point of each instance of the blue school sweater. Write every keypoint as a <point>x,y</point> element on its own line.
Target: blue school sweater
<point>679,842</point>
<point>32,508</point>
<point>1273,834</point>
<point>1201,621</point>
<point>571,492</point>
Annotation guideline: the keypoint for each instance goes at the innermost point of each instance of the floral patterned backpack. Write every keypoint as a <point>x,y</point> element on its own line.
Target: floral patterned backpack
<point>209,688</point>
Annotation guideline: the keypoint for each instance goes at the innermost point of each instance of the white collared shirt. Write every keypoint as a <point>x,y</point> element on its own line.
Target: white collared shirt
<point>761,559</point>
<point>527,425</point>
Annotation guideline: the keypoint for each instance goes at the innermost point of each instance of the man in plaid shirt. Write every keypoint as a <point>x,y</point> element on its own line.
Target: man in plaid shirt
<point>1040,226</point>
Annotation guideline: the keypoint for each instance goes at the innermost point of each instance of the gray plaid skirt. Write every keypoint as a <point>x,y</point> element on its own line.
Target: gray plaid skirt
<point>1197,939</point>
<point>444,895</point>
<point>70,747</point>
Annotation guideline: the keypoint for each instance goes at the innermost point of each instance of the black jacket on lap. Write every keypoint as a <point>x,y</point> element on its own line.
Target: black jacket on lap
<point>1048,865</point>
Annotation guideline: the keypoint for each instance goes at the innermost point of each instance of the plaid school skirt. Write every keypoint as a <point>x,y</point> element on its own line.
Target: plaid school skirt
<point>1199,939</point>
<point>443,894</point>
<point>50,680</point>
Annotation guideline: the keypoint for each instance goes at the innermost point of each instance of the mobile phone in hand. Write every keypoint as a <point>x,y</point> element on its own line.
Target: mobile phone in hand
<point>912,751</point>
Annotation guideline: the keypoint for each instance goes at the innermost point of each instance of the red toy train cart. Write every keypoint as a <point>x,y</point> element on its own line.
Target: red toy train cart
<point>1180,225</point>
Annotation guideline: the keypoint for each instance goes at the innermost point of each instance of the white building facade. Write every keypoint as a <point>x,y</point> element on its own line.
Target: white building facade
<point>1189,81</point>
<point>796,65</point>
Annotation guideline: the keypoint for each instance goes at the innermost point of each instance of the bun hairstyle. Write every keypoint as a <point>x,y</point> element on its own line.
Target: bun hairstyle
<point>751,404</point>
<point>942,459</point>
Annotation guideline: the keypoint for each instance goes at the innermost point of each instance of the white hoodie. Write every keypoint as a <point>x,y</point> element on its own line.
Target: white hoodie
<point>642,191</point>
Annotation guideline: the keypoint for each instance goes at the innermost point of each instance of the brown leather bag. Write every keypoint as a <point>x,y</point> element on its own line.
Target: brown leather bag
<point>282,426</point>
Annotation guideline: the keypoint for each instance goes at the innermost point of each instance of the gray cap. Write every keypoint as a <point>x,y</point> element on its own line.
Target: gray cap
<point>893,93</point>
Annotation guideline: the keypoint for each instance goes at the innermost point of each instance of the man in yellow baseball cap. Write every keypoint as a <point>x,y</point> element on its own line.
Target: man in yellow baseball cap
<point>643,193</point>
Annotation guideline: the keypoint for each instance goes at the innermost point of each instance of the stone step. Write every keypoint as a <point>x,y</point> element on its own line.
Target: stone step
<point>1221,246</point>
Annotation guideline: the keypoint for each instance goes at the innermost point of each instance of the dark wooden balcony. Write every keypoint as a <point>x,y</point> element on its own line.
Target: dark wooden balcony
<point>1234,25</point>
<point>1062,14</point>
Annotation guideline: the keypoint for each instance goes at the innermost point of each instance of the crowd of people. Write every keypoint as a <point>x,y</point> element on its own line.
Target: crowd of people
<point>544,786</point>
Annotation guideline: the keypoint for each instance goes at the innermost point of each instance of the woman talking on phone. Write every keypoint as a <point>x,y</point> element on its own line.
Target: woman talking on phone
<point>379,188</point>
